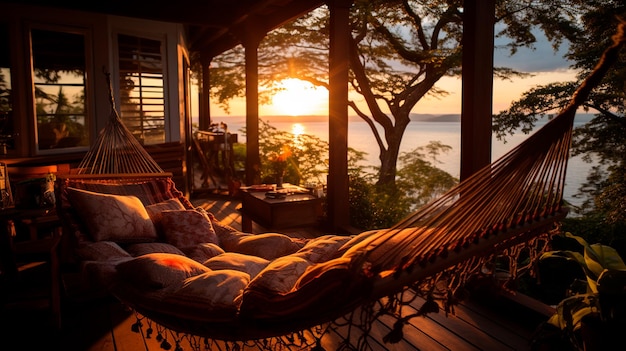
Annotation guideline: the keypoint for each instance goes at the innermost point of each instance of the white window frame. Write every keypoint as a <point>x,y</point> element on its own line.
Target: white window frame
<point>167,34</point>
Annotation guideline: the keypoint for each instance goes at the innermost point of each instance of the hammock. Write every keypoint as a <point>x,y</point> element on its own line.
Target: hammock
<point>511,204</point>
<point>116,150</point>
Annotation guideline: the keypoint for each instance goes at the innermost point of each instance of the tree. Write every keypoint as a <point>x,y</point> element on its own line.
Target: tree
<point>400,49</point>
<point>603,139</point>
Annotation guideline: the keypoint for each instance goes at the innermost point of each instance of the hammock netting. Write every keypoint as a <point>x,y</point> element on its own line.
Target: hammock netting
<point>509,207</point>
<point>116,150</point>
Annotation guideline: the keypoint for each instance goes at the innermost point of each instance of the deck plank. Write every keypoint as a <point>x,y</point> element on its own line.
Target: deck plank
<point>477,328</point>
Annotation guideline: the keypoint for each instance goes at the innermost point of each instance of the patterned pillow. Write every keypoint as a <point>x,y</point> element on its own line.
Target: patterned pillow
<point>118,218</point>
<point>155,211</point>
<point>187,228</point>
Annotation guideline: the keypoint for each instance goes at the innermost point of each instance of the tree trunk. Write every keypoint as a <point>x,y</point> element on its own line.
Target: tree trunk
<point>389,156</point>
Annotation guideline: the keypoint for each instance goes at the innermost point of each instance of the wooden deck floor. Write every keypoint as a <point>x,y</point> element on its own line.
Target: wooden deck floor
<point>104,324</point>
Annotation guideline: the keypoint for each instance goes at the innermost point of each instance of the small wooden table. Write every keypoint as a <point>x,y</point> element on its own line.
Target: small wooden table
<point>296,209</point>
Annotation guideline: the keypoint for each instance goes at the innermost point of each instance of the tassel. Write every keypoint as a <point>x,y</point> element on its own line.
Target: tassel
<point>165,345</point>
<point>318,346</point>
<point>396,334</point>
<point>136,327</point>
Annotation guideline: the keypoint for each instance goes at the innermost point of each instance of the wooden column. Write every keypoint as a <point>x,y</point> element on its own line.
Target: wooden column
<point>251,43</point>
<point>338,204</point>
<point>204,118</point>
<point>477,85</point>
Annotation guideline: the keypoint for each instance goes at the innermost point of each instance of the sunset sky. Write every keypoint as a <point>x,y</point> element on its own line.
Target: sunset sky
<point>545,65</point>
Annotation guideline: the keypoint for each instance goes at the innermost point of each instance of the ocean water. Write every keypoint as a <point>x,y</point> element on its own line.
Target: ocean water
<point>418,133</point>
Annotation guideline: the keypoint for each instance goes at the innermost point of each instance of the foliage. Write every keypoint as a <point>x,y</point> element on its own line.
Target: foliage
<point>419,182</point>
<point>308,161</point>
<point>603,139</point>
<point>375,207</point>
<point>371,206</point>
<point>598,298</point>
<point>419,178</point>
<point>593,228</point>
<point>239,159</point>
<point>399,50</point>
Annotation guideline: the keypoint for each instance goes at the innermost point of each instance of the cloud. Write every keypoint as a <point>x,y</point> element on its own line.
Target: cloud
<point>540,58</point>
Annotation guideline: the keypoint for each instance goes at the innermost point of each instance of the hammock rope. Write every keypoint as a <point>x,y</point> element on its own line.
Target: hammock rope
<point>520,192</point>
<point>116,150</point>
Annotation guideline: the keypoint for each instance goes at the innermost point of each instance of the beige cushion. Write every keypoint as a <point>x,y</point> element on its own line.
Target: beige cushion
<point>119,218</point>
<point>187,228</point>
<point>268,245</point>
<point>212,295</point>
<point>159,270</point>
<point>323,248</point>
<point>281,275</point>
<point>239,262</point>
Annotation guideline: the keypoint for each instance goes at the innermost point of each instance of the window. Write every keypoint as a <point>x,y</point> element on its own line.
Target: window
<point>59,67</point>
<point>142,96</point>
<point>7,141</point>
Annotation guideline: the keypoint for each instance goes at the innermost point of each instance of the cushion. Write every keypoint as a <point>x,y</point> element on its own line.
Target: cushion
<point>149,191</point>
<point>280,275</point>
<point>239,262</point>
<point>203,252</point>
<point>141,249</point>
<point>213,295</point>
<point>323,248</point>
<point>101,251</point>
<point>268,245</point>
<point>159,270</point>
<point>155,211</point>
<point>119,218</point>
<point>187,228</point>
<point>225,233</point>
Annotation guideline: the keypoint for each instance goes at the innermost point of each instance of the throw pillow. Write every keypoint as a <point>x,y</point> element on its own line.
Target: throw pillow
<point>155,211</point>
<point>140,249</point>
<point>101,251</point>
<point>159,270</point>
<point>239,262</point>
<point>187,228</point>
<point>118,218</point>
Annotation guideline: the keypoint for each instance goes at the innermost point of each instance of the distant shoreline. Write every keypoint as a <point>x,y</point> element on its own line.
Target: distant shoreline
<point>415,117</point>
<point>319,118</point>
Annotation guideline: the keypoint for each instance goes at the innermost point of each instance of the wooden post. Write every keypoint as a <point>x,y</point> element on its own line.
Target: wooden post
<point>204,118</point>
<point>337,194</point>
<point>251,39</point>
<point>478,41</point>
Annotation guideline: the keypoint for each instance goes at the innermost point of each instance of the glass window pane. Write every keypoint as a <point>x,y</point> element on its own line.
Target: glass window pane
<point>7,141</point>
<point>59,76</point>
<point>142,99</point>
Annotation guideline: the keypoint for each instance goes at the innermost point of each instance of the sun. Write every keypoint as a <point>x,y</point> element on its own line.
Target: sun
<point>300,98</point>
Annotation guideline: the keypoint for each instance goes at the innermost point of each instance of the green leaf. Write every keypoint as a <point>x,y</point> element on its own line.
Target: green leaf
<point>608,257</point>
<point>612,281</point>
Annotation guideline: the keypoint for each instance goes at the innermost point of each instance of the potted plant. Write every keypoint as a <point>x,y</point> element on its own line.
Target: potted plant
<point>592,316</point>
